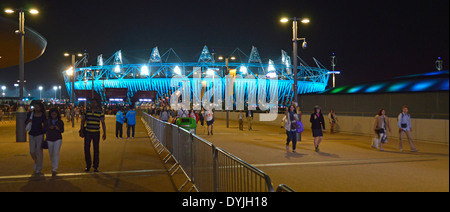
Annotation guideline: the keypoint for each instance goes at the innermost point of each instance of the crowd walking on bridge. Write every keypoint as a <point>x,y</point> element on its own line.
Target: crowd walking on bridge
<point>46,132</point>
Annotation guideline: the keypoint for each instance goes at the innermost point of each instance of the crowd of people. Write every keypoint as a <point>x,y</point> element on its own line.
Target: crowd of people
<point>45,131</point>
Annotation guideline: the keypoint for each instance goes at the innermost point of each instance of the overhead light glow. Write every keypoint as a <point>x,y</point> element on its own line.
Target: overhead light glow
<point>271,75</point>
<point>284,20</point>
<point>177,70</point>
<point>69,71</point>
<point>144,70</point>
<point>34,11</point>
<point>243,69</point>
<point>305,20</point>
<point>117,69</point>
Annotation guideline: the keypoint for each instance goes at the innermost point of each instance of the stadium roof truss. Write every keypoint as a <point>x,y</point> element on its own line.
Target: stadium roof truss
<point>155,75</point>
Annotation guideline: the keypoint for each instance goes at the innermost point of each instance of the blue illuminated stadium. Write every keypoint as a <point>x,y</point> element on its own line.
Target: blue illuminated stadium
<point>156,73</point>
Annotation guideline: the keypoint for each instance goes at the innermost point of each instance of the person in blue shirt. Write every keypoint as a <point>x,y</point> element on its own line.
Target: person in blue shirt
<point>119,124</point>
<point>131,122</point>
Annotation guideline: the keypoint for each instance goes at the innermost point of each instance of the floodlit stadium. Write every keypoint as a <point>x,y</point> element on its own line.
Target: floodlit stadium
<point>208,71</point>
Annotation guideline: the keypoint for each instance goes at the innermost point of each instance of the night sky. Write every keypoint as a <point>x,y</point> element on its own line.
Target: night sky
<point>373,40</point>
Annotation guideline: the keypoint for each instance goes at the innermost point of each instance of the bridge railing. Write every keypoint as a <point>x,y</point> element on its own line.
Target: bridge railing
<point>207,168</point>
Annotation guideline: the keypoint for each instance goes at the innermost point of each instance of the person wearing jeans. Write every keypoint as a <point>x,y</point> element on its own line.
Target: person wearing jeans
<point>38,122</point>
<point>291,127</point>
<point>54,137</point>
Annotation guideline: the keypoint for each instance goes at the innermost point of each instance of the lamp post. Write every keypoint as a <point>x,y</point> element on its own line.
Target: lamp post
<point>55,88</point>
<point>333,64</point>
<point>40,92</point>
<point>60,96</point>
<point>295,39</point>
<point>227,72</point>
<point>3,90</point>
<point>71,72</point>
<point>21,114</point>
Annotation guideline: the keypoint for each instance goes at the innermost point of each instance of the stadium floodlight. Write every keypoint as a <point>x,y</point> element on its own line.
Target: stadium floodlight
<point>177,70</point>
<point>117,69</point>
<point>144,70</point>
<point>243,70</point>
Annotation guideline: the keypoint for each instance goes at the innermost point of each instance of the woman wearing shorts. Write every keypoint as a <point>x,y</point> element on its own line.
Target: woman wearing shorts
<point>209,120</point>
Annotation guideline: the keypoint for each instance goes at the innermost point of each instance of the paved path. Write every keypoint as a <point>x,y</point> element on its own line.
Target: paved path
<point>125,165</point>
<point>344,163</point>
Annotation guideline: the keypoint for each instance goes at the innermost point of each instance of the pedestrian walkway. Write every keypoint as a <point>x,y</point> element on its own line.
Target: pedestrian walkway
<point>125,164</point>
<point>345,162</point>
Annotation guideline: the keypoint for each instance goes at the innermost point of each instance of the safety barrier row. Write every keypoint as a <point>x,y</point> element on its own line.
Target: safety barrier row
<point>207,168</point>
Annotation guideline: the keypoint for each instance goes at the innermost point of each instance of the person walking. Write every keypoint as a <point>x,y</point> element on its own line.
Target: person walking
<point>241,120</point>
<point>164,114</point>
<point>381,128</point>
<point>39,125</point>
<point>54,137</point>
<point>291,127</point>
<point>131,122</point>
<point>77,113</point>
<point>209,120</point>
<point>317,124</point>
<point>249,116</point>
<point>119,124</point>
<point>405,127</point>
<point>332,119</point>
<point>91,133</point>
<point>201,117</point>
<point>193,115</point>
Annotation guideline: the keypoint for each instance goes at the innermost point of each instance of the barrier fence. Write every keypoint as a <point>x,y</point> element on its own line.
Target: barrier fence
<point>208,168</point>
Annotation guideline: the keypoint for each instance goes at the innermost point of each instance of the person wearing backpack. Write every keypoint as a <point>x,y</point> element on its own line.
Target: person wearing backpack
<point>404,127</point>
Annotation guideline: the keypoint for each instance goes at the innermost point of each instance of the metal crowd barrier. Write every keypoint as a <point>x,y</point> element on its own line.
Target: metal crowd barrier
<point>208,168</point>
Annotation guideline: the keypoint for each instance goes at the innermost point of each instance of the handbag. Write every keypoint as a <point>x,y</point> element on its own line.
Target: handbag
<point>28,126</point>
<point>379,130</point>
<point>294,125</point>
<point>44,144</point>
<point>299,127</point>
<point>375,142</point>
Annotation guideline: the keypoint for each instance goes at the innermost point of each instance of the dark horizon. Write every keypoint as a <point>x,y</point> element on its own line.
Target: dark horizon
<point>373,40</point>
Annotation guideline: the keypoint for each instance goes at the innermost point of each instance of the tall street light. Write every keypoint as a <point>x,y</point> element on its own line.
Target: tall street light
<point>40,92</point>
<point>71,72</point>
<point>227,72</point>
<point>295,39</point>
<point>21,113</point>
<point>3,90</point>
<point>55,88</point>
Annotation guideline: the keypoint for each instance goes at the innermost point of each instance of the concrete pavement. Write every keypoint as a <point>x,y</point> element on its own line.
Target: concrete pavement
<point>125,165</point>
<point>345,162</point>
